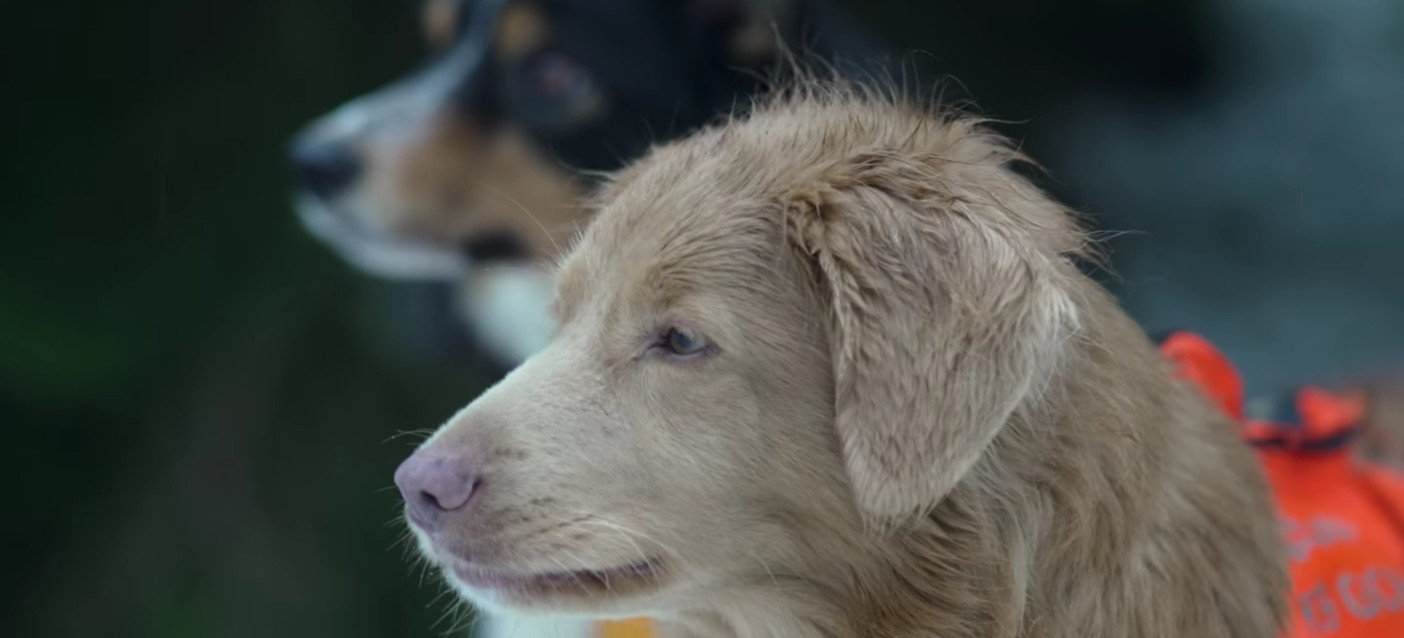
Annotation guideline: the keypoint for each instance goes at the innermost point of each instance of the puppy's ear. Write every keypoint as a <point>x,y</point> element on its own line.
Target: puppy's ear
<point>945,316</point>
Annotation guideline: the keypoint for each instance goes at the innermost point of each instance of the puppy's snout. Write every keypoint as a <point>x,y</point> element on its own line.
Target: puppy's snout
<point>435,485</point>
<point>325,169</point>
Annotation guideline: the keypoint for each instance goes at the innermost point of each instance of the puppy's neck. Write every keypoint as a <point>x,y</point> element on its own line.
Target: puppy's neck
<point>950,574</point>
<point>790,609</point>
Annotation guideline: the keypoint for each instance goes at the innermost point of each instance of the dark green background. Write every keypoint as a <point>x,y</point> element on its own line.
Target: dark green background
<point>196,397</point>
<point>198,401</point>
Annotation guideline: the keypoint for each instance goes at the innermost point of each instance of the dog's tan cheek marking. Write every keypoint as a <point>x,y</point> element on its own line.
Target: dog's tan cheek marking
<point>521,29</point>
<point>439,19</point>
<point>426,176</point>
<point>450,179</point>
<point>549,195</point>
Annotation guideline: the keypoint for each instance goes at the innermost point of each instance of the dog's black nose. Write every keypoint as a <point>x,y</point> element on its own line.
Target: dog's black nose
<point>324,169</point>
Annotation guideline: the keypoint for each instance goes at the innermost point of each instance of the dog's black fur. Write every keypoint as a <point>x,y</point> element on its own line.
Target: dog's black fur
<point>598,81</point>
<point>662,66</point>
<point>605,79</point>
<point>587,85</point>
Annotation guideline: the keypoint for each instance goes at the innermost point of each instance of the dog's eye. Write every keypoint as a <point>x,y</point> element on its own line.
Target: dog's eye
<point>554,76</point>
<point>681,343</point>
<point>551,92</point>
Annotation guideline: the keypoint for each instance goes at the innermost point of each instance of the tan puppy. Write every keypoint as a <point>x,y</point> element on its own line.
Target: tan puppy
<point>831,371</point>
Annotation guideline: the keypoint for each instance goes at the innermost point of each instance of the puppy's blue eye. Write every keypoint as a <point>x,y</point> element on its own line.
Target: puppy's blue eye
<point>681,343</point>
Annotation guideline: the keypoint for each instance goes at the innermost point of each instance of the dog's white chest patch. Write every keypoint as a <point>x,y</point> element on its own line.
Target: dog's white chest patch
<point>509,308</point>
<point>492,626</point>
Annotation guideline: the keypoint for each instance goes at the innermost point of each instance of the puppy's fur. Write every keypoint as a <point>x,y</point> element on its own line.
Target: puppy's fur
<point>908,415</point>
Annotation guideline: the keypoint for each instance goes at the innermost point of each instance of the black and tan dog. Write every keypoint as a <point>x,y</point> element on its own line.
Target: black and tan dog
<point>482,157</point>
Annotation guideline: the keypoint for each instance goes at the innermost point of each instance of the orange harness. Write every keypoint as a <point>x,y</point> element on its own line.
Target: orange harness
<point>636,628</point>
<point>1343,520</point>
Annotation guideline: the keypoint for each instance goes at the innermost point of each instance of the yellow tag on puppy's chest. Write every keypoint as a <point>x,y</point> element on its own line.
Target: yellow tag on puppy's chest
<point>634,628</point>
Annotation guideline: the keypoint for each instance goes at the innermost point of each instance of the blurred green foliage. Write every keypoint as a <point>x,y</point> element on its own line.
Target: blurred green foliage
<point>196,397</point>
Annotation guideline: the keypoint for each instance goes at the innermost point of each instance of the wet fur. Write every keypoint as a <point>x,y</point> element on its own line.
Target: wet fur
<point>920,418</point>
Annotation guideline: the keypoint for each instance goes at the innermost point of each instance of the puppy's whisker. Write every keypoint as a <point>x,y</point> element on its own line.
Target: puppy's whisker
<point>525,211</point>
<point>401,542</point>
<point>574,573</point>
<point>447,612</point>
<point>623,533</point>
<point>630,534</point>
<point>423,433</point>
<point>424,567</point>
<point>463,616</point>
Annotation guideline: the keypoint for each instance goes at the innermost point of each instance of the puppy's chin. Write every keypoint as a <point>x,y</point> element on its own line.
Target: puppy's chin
<point>617,591</point>
<point>565,585</point>
<point>375,253</point>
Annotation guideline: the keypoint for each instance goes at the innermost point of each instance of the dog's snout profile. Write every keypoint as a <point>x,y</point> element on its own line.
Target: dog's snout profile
<point>434,484</point>
<point>324,169</point>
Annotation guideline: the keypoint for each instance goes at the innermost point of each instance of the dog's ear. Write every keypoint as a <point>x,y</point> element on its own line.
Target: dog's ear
<point>747,31</point>
<point>944,316</point>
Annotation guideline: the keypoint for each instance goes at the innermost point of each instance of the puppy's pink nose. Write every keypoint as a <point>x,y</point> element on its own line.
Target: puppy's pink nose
<point>433,485</point>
